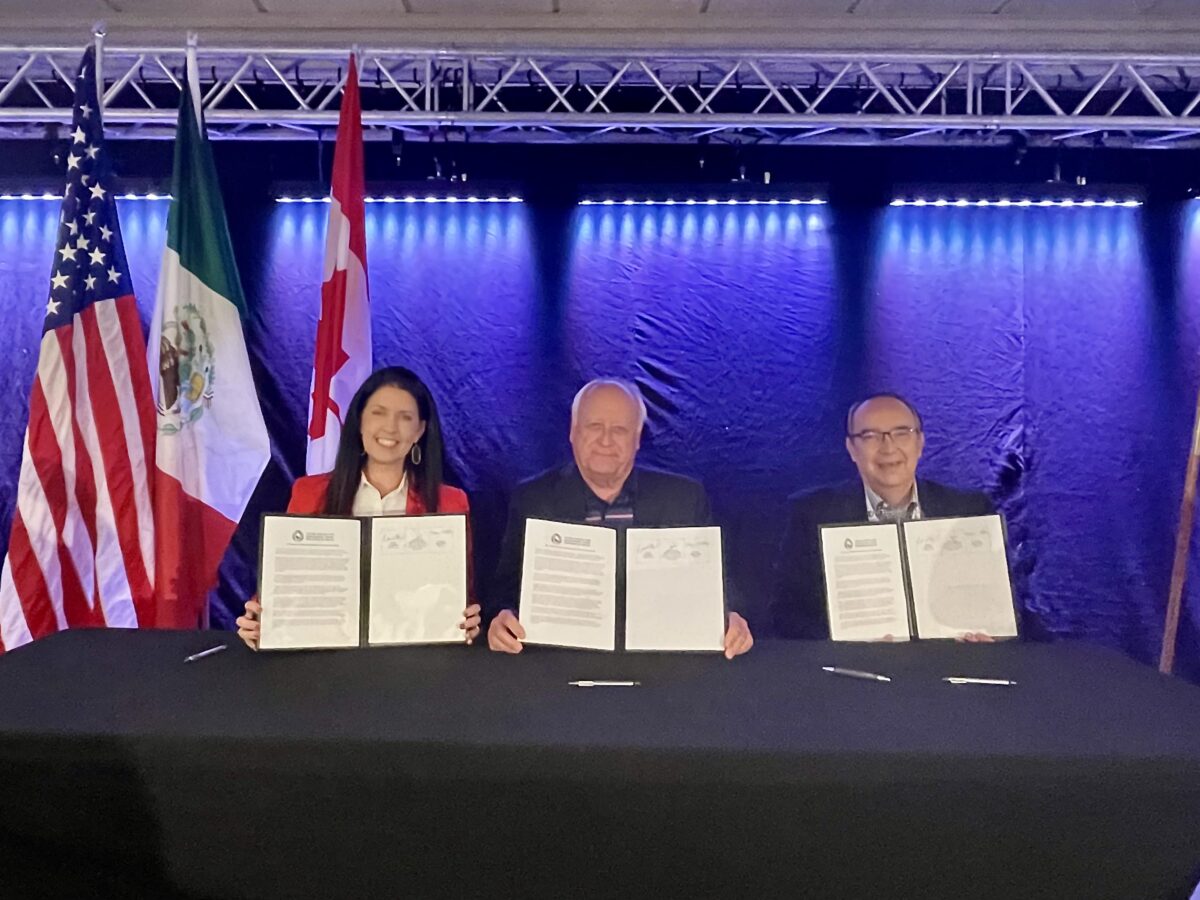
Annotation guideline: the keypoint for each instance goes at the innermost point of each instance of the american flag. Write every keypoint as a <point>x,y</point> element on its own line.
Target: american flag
<point>81,553</point>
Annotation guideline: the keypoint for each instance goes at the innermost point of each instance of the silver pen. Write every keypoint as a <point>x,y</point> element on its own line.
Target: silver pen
<point>854,673</point>
<point>603,683</point>
<point>203,653</point>
<point>962,679</point>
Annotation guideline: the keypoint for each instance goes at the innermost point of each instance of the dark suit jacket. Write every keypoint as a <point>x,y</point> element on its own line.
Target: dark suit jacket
<point>661,500</point>
<point>798,607</point>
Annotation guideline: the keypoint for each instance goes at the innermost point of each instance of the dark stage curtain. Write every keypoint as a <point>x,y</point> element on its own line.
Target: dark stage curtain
<point>1053,352</point>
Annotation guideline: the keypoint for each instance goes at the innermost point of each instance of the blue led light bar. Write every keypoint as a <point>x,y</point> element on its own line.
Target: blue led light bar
<point>409,198</point>
<point>58,197</point>
<point>1022,202</point>
<point>710,201</point>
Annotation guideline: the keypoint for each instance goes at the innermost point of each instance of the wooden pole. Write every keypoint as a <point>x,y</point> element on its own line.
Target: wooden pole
<point>1183,540</point>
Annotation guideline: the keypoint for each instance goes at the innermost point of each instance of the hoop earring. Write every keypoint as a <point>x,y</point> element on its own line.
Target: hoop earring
<point>415,454</point>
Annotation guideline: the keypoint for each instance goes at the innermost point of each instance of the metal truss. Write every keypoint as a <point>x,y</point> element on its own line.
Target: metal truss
<point>558,95</point>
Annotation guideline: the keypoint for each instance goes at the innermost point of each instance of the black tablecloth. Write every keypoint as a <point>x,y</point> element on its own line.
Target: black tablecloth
<point>447,771</point>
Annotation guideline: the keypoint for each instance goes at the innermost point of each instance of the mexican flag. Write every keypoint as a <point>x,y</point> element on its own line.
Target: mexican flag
<point>212,444</point>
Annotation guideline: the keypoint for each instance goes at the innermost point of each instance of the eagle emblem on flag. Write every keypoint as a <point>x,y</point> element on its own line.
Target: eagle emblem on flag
<point>185,370</point>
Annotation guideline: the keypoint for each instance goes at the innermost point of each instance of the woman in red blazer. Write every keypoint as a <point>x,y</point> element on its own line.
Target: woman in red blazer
<point>389,462</point>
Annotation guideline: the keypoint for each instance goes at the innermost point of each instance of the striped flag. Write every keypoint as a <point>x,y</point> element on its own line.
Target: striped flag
<point>343,356</point>
<point>212,442</point>
<point>81,552</point>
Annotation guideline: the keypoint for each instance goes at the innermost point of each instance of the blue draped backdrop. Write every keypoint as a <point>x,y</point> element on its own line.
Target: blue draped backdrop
<point>1053,352</point>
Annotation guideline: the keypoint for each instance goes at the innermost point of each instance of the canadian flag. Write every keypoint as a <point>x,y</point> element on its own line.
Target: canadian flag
<point>343,356</point>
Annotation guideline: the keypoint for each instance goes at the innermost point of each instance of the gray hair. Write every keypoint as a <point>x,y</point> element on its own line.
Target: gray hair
<point>627,386</point>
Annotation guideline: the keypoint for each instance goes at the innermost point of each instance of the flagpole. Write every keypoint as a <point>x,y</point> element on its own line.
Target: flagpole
<point>1183,540</point>
<point>98,40</point>
<point>192,80</point>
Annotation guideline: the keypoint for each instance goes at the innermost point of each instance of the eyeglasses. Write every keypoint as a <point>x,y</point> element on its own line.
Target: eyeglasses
<point>900,436</point>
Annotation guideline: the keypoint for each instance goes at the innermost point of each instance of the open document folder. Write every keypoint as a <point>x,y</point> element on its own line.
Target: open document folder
<point>932,578</point>
<point>674,587</point>
<point>327,581</point>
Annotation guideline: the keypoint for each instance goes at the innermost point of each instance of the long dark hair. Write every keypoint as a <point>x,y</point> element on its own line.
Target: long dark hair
<point>425,477</point>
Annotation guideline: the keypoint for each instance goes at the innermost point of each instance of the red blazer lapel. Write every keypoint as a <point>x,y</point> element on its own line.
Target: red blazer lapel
<point>415,506</point>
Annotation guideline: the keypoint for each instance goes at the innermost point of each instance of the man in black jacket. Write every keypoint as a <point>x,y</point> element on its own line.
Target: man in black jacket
<point>601,487</point>
<point>885,439</point>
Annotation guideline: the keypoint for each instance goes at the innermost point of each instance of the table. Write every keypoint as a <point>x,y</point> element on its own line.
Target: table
<point>452,771</point>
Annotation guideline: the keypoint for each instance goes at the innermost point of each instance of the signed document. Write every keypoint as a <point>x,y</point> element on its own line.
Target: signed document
<point>568,585</point>
<point>674,589</point>
<point>310,582</point>
<point>864,582</point>
<point>932,578</point>
<point>418,588</point>
<point>958,569</point>
<point>341,581</point>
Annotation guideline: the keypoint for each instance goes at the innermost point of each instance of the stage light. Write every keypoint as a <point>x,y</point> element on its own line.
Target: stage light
<point>709,201</point>
<point>1066,202</point>
<point>389,198</point>
<point>47,196</point>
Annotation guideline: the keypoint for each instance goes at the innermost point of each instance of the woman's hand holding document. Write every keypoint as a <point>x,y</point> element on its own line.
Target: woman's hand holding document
<point>346,582</point>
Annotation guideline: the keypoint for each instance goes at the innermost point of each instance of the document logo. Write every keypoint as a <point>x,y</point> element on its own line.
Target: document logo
<point>298,535</point>
<point>556,538</point>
